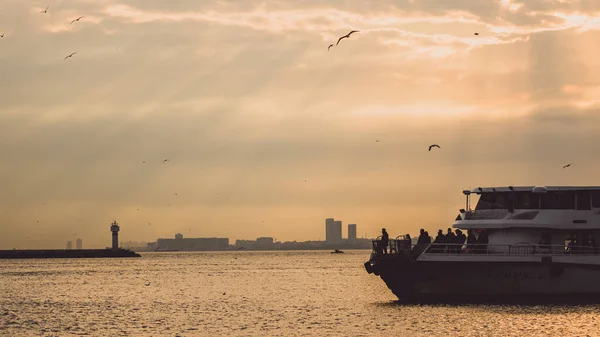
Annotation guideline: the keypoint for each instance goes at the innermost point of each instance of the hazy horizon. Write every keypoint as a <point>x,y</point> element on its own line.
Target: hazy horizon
<point>267,132</point>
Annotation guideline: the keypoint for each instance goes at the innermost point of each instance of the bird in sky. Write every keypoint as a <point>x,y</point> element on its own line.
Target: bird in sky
<point>79,18</point>
<point>70,55</point>
<point>434,145</point>
<point>45,10</point>
<point>331,45</point>
<point>2,35</point>
<point>144,162</point>
<point>175,193</point>
<point>568,165</point>
<point>377,141</point>
<point>166,160</point>
<point>346,36</point>
<point>476,34</point>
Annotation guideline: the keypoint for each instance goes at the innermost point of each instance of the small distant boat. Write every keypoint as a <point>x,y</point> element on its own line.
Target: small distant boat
<point>337,251</point>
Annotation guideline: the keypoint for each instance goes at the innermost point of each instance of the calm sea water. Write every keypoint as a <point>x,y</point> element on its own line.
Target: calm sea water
<point>311,293</point>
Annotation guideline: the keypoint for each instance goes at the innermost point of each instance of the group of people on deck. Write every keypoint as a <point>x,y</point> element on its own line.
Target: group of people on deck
<point>451,242</point>
<point>457,241</point>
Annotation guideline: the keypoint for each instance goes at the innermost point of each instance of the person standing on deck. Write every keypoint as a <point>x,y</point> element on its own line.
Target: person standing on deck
<point>385,238</point>
<point>471,241</point>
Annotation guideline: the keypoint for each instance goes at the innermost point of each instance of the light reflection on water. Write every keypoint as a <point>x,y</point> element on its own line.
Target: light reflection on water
<point>246,293</point>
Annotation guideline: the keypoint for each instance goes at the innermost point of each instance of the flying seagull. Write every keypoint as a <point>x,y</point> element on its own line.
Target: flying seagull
<point>346,36</point>
<point>476,34</point>
<point>2,35</point>
<point>434,145</point>
<point>70,55</point>
<point>568,165</point>
<point>166,160</point>
<point>331,45</point>
<point>79,18</point>
<point>45,10</point>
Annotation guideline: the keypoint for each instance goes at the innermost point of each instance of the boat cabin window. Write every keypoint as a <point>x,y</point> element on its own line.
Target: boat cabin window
<point>558,200</point>
<point>529,200</point>
<point>526,200</point>
<point>583,200</point>
<point>494,201</point>
<point>596,199</point>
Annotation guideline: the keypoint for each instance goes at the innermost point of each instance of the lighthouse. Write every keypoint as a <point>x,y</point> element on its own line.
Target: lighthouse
<point>114,228</point>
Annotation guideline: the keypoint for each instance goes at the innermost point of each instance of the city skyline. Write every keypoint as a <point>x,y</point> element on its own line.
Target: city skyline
<point>233,119</point>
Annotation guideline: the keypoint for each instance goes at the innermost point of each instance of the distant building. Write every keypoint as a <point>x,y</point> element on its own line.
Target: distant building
<point>247,244</point>
<point>79,244</point>
<point>265,241</point>
<point>333,231</point>
<point>351,233</point>
<point>69,244</point>
<point>192,244</point>
<point>136,246</point>
<point>151,246</point>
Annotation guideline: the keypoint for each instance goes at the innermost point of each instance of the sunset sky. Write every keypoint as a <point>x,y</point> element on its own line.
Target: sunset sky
<point>267,133</point>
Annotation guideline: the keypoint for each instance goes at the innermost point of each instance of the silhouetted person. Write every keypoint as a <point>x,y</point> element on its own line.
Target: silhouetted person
<point>440,240</point>
<point>483,241</point>
<point>407,242</point>
<point>460,239</point>
<point>451,241</point>
<point>571,248</point>
<point>471,241</point>
<point>422,243</point>
<point>385,239</point>
<point>544,242</point>
<point>422,239</point>
<point>592,244</point>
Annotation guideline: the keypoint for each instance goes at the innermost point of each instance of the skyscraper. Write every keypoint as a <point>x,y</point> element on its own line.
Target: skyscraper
<point>79,244</point>
<point>69,244</point>
<point>333,231</point>
<point>328,227</point>
<point>351,232</point>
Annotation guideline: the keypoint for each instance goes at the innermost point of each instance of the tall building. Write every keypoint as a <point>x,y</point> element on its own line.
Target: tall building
<point>328,227</point>
<point>79,244</point>
<point>69,244</point>
<point>352,232</point>
<point>333,231</point>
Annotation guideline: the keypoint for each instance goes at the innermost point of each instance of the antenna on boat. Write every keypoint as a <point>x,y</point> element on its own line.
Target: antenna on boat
<point>512,206</point>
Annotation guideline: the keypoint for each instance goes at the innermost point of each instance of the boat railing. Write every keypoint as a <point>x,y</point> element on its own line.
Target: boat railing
<point>402,246</point>
<point>399,245</point>
<point>515,249</point>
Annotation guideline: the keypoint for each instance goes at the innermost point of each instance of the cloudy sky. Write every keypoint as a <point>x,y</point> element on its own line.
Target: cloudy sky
<point>267,133</point>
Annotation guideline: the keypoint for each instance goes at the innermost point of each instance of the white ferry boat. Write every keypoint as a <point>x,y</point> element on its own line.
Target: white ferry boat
<point>541,244</point>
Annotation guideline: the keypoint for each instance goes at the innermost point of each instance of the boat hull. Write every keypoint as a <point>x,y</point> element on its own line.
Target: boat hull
<point>489,281</point>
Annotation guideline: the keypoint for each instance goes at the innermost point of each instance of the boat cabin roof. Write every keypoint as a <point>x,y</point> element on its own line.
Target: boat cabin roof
<point>535,189</point>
